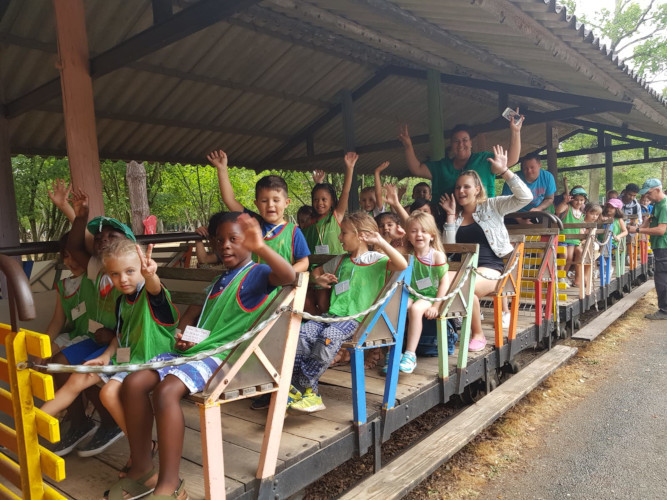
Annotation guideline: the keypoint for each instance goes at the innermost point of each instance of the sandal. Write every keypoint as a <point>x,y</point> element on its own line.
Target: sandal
<point>372,358</point>
<point>123,472</point>
<point>131,489</point>
<point>179,494</point>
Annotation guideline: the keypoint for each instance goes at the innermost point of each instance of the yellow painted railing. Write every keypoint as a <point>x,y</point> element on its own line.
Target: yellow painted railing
<point>24,476</point>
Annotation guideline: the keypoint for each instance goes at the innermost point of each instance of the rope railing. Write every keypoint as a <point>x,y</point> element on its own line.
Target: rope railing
<point>445,297</point>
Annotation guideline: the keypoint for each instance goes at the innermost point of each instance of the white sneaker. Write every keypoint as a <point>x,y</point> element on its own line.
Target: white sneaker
<point>506,320</point>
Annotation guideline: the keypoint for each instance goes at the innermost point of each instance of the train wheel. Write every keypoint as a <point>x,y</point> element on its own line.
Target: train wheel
<point>473,392</point>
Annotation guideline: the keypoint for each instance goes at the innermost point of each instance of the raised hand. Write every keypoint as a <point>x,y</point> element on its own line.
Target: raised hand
<point>404,136</point>
<point>148,265</point>
<point>79,203</point>
<point>448,203</point>
<point>392,194</point>
<point>382,166</point>
<point>318,176</point>
<point>59,192</point>
<point>371,238</point>
<point>515,126</point>
<point>253,239</point>
<point>202,231</point>
<point>351,159</point>
<point>401,191</point>
<point>499,160</point>
<point>217,158</point>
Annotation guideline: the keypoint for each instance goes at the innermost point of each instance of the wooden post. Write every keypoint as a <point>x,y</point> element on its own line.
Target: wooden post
<point>594,175</point>
<point>9,226</point>
<point>552,148</point>
<point>608,166</point>
<point>135,173</point>
<point>210,423</point>
<point>436,134</point>
<point>350,145</point>
<point>77,96</point>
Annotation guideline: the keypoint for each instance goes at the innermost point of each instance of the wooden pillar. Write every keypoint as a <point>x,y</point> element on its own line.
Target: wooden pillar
<point>135,174</point>
<point>350,144</point>
<point>436,132</point>
<point>608,166</point>
<point>77,96</point>
<point>9,225</point>
<point>552,149</point>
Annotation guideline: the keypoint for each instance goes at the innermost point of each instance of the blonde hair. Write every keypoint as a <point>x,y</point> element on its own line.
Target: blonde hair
<point>428,224</point>
<point>118,248</point>
<point>361,222</point>
<point>477,181</point>
<point>593,207</point>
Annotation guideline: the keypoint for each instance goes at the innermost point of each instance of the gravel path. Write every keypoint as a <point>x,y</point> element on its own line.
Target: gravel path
<point>612,445</point>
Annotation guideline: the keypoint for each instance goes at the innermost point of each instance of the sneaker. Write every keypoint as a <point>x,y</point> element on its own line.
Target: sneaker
<point>476,345</point>
<point>408,362</point>
<point>103,438</point>
<point>570,274</point>
<point>452,338</point>
<point>261,402</point>
<point>309,403</point>
<point>73,436</point>
<point>656,315</point>
<point>293,396</point>
<point>506,319</point>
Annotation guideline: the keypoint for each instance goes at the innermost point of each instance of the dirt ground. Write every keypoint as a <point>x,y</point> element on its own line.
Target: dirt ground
<point>498,449</point>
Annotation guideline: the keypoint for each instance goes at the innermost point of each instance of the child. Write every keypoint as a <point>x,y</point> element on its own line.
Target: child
<point>357,278</point>
<point>611,194</point>
<point>429,277</point>
<point>570,211</point>
<point>370,198</point>
<point>421,205</point>
<point>305,216</point>
<point>391,230</point>
<point>322,235</point>
<point>271,199</point>
<point>229,312</point>
<point>421,191</point>
<point>145,326</point>
<point>592,213</point>
<point>612,213</point>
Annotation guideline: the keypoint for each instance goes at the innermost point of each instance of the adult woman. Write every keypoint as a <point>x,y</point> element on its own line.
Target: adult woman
<point>444,172</point>
<point>472,218</point>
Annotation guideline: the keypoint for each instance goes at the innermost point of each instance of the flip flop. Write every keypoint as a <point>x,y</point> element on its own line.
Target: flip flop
<point>131,489</point>
<point>123,472</point>
<point>179,494</point>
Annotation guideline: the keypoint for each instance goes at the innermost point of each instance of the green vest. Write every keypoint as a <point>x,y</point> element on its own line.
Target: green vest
<point>224,316</point>
<point>366,282</point>
<point>571,219</point>
<point>75,327</point>
<point>420,271</point>
<point>102,308</point>
<point>324,232</point>
<point>145,336</point>
<point>281,242</point>
<point>659,216</point>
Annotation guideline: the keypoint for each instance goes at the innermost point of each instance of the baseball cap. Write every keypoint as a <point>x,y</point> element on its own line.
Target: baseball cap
<point>650,184</point>
<point>578,190</point>
<point>616,203</point>
<point>96,225</point>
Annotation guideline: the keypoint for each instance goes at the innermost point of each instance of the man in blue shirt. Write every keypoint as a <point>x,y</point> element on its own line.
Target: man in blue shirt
<point>540,182</point>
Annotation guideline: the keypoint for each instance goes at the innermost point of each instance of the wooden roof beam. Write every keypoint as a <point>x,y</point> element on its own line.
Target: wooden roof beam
<point>173,29</point>
<point>519,90</point>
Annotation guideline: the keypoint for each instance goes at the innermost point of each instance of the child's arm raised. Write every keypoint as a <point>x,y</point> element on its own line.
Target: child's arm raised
<point>149,271</point>
<point>76,241</point>
<point>219,160</point>
<point>58,194</point>
<point>350,160</point>
<point>396,261</point>
<point>395,202</point>
<point>379,202</point>
<point>203,257</point>
<point>282,273</point>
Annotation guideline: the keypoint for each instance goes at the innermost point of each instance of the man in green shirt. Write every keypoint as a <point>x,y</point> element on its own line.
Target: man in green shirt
<point>656,227</point>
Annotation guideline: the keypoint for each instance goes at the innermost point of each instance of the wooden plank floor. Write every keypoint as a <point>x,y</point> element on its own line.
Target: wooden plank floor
<point>303,435</point>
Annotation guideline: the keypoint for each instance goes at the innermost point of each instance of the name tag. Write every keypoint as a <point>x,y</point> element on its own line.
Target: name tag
<point>123,355</point>
<point>194,334</point>
<point>78,310</point>
<point>342,287</point>
<point>93,325</point>
<point>321,249</point>
<point>424,283</point>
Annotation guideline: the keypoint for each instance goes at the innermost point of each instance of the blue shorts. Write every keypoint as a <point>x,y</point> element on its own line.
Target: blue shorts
<point>80,352</point>
<point>565,244</point>
<point>194,375</point>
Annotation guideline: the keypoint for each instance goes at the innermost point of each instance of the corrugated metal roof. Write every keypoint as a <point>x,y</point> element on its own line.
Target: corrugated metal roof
<point>254,81</point>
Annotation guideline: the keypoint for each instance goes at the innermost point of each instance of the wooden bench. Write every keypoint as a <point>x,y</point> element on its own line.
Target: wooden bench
<point>261,364</point>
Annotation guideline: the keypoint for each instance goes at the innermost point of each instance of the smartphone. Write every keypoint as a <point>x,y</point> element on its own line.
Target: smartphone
<point>510,114</point>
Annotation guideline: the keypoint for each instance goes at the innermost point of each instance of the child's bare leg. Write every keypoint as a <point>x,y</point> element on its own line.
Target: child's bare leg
<point>569,253</point>
<point>75,385</point>
<point>322,298</point>
<point>110,397</point>
<point>76,412</point>
<point>170,431</point>
<point>415,315</point>
<point>506,305</point>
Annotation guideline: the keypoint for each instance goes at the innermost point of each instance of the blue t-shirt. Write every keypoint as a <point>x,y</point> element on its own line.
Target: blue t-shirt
<point>544,185</point>
<point>299,243</point>
<point>255,287</point>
